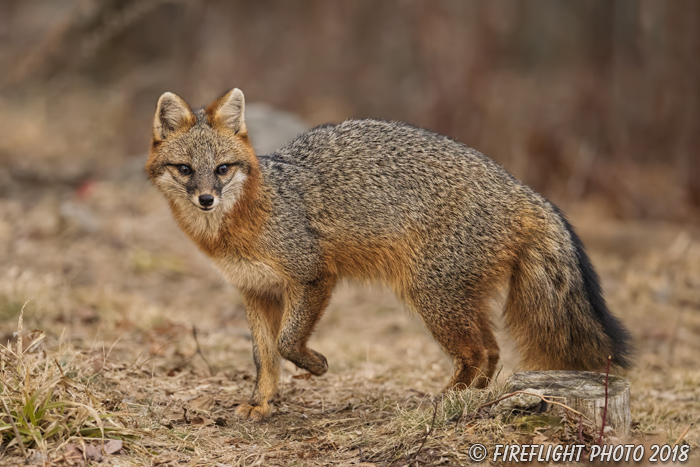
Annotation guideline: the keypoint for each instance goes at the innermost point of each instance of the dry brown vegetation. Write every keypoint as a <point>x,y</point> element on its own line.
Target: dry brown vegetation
<point>129,334</point>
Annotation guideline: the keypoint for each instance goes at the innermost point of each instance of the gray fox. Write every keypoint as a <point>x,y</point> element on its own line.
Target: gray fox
<point>440,224</point>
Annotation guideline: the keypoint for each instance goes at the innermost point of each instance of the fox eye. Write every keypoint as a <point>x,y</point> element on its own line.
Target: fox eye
<point>184,169</point>
<point>222,169</point>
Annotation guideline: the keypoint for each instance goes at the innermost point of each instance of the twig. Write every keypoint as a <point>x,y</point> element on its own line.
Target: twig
<point>685,432</point>
<point>427,433</point>
<point>362,457</point>
<point>605,407</point>
<point>500,369</point>
<point>14,427</point>
<point>546,399</point>
<point>328,437</point>
<point>580,430</point>
<point>199,351</point>
<point>58,365</point>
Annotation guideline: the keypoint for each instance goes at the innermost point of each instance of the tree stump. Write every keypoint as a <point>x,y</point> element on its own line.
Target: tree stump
<point>583,391</point>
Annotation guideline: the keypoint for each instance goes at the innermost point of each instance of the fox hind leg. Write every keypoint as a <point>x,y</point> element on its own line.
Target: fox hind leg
<point>461,325</point>
<point>492,350</point>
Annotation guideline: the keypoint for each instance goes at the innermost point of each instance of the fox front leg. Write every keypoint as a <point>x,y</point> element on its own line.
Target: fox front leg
<point>264,314</point>
<point>302,310</point>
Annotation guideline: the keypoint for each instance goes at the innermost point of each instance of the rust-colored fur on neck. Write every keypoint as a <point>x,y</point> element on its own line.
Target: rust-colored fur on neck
<point>241,226</point>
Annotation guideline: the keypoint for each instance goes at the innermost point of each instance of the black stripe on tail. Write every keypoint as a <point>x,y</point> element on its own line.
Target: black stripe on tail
<point>620,338</point>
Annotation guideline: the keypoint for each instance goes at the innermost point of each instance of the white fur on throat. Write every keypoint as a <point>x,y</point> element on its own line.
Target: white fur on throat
<point>250,275</point>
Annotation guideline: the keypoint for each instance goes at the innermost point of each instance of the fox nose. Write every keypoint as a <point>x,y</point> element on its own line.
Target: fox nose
<point>206,200</point>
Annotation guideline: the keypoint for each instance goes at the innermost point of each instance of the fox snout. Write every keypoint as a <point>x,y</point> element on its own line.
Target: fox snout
<point>206,201</point>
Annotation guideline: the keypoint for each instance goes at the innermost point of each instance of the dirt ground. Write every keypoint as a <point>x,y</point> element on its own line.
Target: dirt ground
<point>118,290</point>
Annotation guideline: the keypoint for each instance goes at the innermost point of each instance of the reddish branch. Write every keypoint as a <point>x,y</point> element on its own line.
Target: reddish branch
<point>605,407</point>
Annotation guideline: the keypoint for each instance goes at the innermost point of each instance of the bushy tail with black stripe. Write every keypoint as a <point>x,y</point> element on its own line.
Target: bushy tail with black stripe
<point>555,308</point>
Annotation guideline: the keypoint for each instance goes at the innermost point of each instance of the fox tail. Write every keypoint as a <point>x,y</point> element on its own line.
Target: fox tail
<point>555,308</point>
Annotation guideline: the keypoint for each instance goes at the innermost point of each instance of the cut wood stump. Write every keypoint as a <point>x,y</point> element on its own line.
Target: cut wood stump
<point>583,391</point>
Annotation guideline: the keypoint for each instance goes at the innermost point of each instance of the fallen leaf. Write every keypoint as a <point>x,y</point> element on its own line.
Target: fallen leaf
<point>220,421</point>
<point>202,403</point>
<point>73,452</point>
<point>93,453</point>
<point>113,446</point>
<point>201,421</point>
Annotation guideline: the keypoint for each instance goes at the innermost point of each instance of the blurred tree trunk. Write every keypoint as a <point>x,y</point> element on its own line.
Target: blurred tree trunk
<point>82,31</point>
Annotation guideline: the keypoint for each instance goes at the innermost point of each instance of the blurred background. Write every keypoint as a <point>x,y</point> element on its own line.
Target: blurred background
<point>594,101</point>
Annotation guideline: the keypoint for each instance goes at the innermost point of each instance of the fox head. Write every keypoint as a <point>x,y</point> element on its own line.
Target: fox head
<point>201,159</point>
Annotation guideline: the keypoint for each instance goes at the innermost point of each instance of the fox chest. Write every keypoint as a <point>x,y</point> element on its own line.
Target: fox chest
<point>250,275</point>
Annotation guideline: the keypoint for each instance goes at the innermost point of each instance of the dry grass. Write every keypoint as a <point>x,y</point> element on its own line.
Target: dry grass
<point>117,290</point>
<point>48,400</point>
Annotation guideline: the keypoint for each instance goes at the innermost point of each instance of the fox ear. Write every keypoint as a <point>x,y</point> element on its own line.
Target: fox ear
<point>172,113</point>
<point>229,111</point>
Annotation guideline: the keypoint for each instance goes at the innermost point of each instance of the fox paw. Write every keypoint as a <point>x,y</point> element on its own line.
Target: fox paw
<point>319,366</point>
<point>255,413</point>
